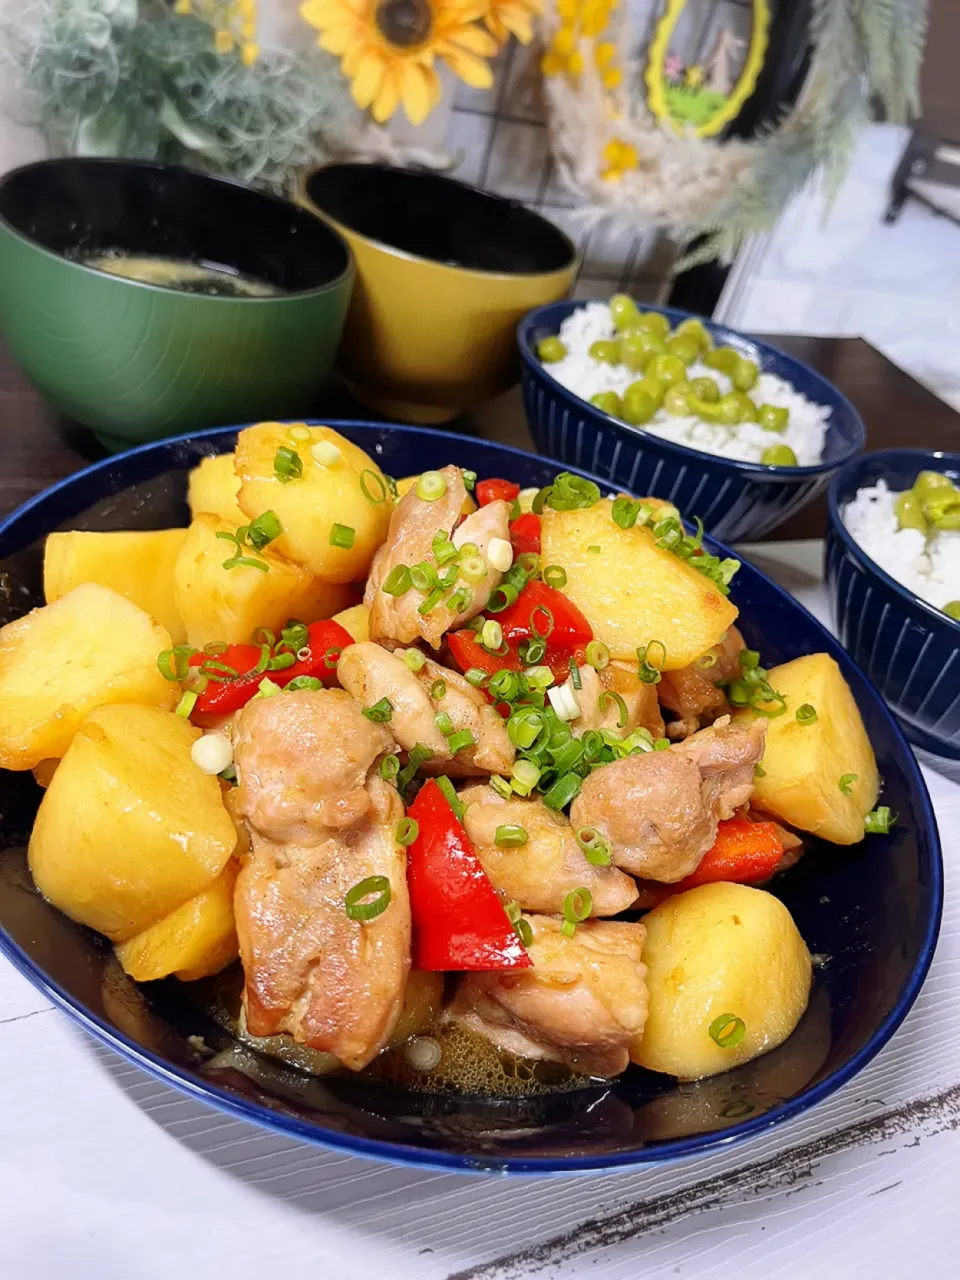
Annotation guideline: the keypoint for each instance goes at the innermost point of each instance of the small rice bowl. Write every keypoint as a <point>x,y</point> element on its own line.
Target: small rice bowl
<point>930,568</point>
<point>579,373</point>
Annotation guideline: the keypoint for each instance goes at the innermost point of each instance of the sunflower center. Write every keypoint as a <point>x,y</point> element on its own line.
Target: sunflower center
<point>404,23</point>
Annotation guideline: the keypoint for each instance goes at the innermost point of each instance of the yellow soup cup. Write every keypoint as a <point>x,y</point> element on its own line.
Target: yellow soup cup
<point>445,272</point>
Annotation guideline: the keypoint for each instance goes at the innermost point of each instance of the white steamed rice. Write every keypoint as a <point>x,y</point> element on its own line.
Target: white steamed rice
<point>584,376</point>
<point>928,568</point>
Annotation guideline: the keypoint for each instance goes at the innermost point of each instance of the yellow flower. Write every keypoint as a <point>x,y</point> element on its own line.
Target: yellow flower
<point>505,18</point>
<point>613,78</point>
<point>182,6</point>
<point>693,76</point>
<point>387,49</point>
<point>222,41</point>
<point>618,157</point>
<point>604,53</point>
<point>249,54</point>
<point>596,15</point>
<point>564,42</point>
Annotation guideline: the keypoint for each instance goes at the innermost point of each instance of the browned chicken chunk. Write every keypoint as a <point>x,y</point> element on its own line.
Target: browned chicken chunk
<point>692,693</point>
<point>582,1003</point>
<point>539,874</point>
<point>371,673</point>
<point>660,810</point>
<point>321,821</point>
<point>396,620</point>
<point>640,700</point>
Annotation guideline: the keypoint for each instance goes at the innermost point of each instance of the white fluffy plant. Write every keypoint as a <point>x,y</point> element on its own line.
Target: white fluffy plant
<point>134,78</point>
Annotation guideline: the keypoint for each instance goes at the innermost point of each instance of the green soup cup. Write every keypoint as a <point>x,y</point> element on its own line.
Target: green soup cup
<point>138,361</point>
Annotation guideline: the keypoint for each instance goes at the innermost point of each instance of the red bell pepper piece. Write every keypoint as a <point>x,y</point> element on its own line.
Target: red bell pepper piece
<point>744,852</point>
<point>468,653</point>
<point>490,490</point>
<point>525,533</point>
<point>327,641</point>
<point>458,920</point>
<point>529,611</point>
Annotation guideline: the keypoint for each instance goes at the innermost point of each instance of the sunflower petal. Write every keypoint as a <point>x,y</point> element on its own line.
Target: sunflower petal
<point>388,99</point>
<point>517,18</point>
<point>337,39</point>
<point>416,93</point>
<point>471,70</point>
<point>476,40</point>
<point>367,82</point>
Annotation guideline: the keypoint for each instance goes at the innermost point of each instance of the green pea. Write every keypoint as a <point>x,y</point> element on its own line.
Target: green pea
<point>909,511</point>
<point>729,410</point>
<point>676,400</point>
<point>939,503</point>
<point>748,410</point>
<point>687,349</point>
<point>744,374</point>
<point>668,368</point>
<point>604,350</point>
<point>607,402</point>
<point>773,418</point>
<point>638,406</point>
<point>634,349</point>
<point>952,610</point>
<point>723,358</point>
<point>654,387</point>
<point>705,389</point>
<point>779,455</point>
<point>623,310</point>
<point>696,330</point>
<point>654,322</point>
<point>927,482</point>
<point>550,350</point>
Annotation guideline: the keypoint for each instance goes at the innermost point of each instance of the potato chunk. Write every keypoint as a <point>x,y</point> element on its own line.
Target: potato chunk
<point>90,647</point>
<point>718,950</point>
<point>195,941</point>
<point>213,487</point>
<point>137,565</point>
<point>229,604</point>
<point>129,828</point>
<point>804,762</point>
<point>631,590</point>
<point>356,620</point>
<point>328,493</point>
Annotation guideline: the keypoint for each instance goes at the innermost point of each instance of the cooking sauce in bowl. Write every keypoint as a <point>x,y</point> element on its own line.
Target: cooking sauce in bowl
<point>212,279</point>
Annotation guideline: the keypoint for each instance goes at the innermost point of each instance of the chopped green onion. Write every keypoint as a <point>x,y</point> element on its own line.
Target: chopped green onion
<point>504,685</point>
<point>392,486</point>
<point>564,702</point>
<point>431,602</point>
<point>186,704</point>
<point>415,758</point>
<point>598,655</point>
<point>473,568</point>
<point>491,636</point>
<point>444,723</point>
<point>280,661</point>
<point>304,682</point>
<point>567,758</point>
<point>342,536</point>
<point>469,480</point>
<point>527,563</point>
<point>331,657</point>
<point>530,652</point>
<point>504,596</point>
<point>264,530</point>
<point>749,659</point>
<point>216,648</point>
<point>525,776</point>
<point>398,581</point>
<point>325,453</point>
<point>575,679</point>
<point>295,635</point>
<point>538,677</point>
<point>759,771</point>
<point>214,669</point>
<point>662,744</point>
<point>461,740</point>
<point>650,660</point>
<point>554,576</point>
<point>707,660</point>
<point>595,848</point>
<point>806,714</point>
<point>525,726</point>
<point>510,836</point>
<point>424,576</point>
<point>594,549</point>
<point>173,664</point>
<point>502,787</point>
<point>407,831</point>
<point>238,558</point>
<point>443,549</point>
<point>438,689</point>
<point>846,783</point>
<point>287,465</point>
<point>478,678</point>
<point>562,791</point>
<point>413,659</point>
<point>380,712</point>
<point>522,926</point>
<point>267,689</point>
<point>389,768</point>
<point>380,493</point>
<point>609,695</point>
<point>577,905</point>
<point>727,1031</point>
<point>431,486</point>
<point>451,797</point>
<point>361,911</point>
<point>548,614</point>
<point>880,820</point>
<point>459,600</point>
<point>568,493</point>
<point>625,512</point>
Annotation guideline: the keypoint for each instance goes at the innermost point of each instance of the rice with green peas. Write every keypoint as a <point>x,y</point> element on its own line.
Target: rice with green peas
<point>805,432</point>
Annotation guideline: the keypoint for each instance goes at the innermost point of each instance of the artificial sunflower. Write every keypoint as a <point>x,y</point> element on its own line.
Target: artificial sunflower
<point>388,48</point>
<point>505,18</point>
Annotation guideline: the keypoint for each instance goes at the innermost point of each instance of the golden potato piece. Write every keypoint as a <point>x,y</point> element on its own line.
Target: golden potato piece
<point>90,647</point>
<point>129,828</point>
<point>230,604</point>
<point>631,590</point>
<point>213,487</point>
<point>804,762</point>
<point>407,483</point>
<point>327,494</point>
<point>137,565</point>
<point>356,620</point>
<point>195,941</point>
<point>721,951</point>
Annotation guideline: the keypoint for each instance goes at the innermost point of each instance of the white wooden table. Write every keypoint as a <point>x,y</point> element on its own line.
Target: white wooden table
<point>107,1175</point>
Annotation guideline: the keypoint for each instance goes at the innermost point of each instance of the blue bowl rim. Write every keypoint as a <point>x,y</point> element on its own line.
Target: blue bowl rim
<point>759,470</point>
<point>414,1157</point>
<point>844,477</point>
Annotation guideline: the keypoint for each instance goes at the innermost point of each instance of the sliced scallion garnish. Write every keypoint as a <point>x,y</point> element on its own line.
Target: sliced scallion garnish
<point>360,910</point>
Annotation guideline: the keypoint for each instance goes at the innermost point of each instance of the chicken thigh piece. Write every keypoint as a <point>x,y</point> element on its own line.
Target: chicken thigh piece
<point>539,874</point>
<point>396,620</point>
<point>640,700</point>
<point>692,692</point>
<point>321,822</point>
<point>582,1002</point>
<point>372,673</point>
<point>659,811</point>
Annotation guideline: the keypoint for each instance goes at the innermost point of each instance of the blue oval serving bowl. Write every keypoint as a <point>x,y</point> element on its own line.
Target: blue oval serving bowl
<point>872,910</point>
<point>909,649</point>
<point>736,501</point>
